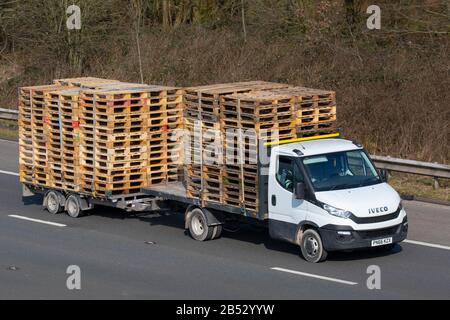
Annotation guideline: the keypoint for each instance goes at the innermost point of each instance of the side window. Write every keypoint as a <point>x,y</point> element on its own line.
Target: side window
<point>356,163</point>
<point>288,173</point>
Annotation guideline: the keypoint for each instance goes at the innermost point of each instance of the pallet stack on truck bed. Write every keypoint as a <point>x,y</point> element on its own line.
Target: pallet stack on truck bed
<point>240,120</point>
<point>204,169</point>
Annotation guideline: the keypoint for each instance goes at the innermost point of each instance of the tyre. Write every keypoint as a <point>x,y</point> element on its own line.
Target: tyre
<point>217,232</point>
<point>312,247</point>
<point>52,203</point>
<point>198,226</point>
<point>73,206</point>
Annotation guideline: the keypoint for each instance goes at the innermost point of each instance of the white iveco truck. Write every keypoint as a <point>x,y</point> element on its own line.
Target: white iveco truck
<point>323,194</point>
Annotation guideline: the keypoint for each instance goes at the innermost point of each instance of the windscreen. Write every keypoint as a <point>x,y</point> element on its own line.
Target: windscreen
<point>341,170</point>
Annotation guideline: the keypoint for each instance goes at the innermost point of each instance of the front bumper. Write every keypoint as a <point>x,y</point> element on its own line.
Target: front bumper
<point>335,238</point>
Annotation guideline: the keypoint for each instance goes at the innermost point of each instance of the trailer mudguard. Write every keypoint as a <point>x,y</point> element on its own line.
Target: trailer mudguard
<point>212,219</point>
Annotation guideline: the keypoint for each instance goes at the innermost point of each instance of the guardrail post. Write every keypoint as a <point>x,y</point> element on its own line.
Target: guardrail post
<point>435,183</point>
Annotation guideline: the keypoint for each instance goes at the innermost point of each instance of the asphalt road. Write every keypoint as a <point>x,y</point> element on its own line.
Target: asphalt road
<point>115,261</point>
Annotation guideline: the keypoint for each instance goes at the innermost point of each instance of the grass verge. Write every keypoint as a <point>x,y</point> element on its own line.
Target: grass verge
<point>8,129</point>
<point>420,186</point>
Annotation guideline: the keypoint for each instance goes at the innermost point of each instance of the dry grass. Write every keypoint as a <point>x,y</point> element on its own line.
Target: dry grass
<point>8,129</point>
<point>408,184</point>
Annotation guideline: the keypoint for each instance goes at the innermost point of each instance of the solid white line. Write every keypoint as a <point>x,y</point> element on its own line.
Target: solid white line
<point>37,220</point>
<point>426,244</point>
<point>315,276</point>
<point>10,173</point>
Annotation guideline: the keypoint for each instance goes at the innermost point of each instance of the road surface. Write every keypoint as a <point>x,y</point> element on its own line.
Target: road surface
<point>124,256</point>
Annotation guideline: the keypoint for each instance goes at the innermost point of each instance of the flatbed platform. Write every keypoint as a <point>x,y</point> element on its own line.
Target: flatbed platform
<point>176,191</point>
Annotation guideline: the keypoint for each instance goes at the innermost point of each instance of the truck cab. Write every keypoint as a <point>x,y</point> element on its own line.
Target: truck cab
<point>326,195</point>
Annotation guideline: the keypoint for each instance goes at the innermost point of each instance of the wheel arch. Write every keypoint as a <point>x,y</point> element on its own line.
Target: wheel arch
<point>212,219</point>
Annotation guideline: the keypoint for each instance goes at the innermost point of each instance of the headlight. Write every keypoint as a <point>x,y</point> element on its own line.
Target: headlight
<point>400,205</point>
<point>337,212</point>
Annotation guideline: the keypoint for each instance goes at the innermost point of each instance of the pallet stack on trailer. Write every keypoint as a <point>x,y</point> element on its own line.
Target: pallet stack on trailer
<point>32,138</point>
<point>127,141</point>
<point>99,137</point>
<point>114,141</point>
<point>61,127</point>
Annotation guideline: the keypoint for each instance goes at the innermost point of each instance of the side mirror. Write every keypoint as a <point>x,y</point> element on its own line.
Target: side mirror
<point>299,190</point>
<point>384,174</point>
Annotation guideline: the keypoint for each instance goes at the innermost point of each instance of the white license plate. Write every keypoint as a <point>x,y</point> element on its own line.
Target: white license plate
<point>381,242</point>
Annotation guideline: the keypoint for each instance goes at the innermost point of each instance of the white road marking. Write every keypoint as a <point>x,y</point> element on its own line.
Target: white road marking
<point>10,173</point>
<point>315,276</point>
<point>426,244</point>
<point>37,220</point>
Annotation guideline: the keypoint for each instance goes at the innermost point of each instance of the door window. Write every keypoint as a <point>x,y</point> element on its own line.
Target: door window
<point>288,173</point>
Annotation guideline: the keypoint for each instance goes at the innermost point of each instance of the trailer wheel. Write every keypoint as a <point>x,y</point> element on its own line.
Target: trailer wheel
<point>52,202</point>
<point>73,206</point>
<point>198,226</point>
<point>312,247</point>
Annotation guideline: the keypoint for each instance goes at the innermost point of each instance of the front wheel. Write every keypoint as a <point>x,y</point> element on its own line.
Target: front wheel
<point>312,246</point>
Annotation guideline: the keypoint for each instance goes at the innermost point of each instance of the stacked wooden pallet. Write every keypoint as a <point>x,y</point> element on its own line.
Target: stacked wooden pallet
<point>267,116</point>
<point>61,128</point>
<point>126,138</point>
<point>204,161</point>
<point>32,139</point>
<point>98,136</point>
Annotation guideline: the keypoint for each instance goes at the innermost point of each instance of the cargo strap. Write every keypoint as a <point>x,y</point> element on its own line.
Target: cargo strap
<point>60,137</point>
<point>33,173</point>
<point>200,122</point>
<point>241,154</point>
<point>94,151</point>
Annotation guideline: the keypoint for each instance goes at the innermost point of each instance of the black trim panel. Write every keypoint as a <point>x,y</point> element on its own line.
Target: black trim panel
<point>282,230</point>
<point>386,217</point>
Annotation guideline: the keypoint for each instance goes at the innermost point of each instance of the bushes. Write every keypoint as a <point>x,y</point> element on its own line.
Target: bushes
<point>392,84</point>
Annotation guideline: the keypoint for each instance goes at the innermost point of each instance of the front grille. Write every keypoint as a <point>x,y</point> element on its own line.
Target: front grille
<point>382,218</point>
<point>378,233</point>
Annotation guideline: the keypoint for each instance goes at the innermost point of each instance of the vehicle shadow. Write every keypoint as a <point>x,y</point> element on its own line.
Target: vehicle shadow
<point>260,236</point>
<point>242,232</point>
<point>33,200</point>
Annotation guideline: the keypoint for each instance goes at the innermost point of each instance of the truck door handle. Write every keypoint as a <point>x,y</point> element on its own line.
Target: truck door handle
<point>274,200</point>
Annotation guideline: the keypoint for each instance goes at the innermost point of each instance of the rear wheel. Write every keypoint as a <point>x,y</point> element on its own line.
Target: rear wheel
<point>217,232</point>
<point>312,247</point>
<point>73,206</point>
<point>52,203</point>
<point>198,226</point>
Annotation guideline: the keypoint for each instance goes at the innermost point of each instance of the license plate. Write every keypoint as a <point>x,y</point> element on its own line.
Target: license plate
<point>381,242</point>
